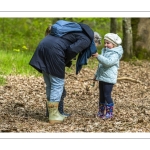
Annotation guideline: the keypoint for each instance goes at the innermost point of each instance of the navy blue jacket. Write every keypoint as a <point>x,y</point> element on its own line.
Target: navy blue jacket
<point>71,52</point>
<point>51,54</point>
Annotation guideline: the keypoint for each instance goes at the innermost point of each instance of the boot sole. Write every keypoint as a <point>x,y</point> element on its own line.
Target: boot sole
<point>108,117</point>
<point>52,122</point>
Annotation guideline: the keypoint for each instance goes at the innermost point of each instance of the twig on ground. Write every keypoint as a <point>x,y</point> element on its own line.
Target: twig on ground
<point>130,79</point>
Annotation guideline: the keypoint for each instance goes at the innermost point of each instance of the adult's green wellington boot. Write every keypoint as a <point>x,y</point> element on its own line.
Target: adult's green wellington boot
<point>54,114</point>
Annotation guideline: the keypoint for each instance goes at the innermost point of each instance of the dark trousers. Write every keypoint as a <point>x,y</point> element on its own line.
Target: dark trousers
<point>105,90</point>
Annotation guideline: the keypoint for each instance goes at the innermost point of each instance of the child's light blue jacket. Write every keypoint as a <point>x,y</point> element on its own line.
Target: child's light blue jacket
<point>108,64</point>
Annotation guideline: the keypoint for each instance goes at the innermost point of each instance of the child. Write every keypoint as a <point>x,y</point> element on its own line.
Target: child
<point>107,72</point>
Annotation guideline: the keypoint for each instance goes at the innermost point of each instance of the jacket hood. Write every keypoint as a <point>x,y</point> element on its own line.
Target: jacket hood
<point>117,49</point>
<point>88,31</point>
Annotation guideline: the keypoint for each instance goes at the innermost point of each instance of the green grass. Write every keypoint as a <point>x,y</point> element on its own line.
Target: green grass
<point>13,63</point>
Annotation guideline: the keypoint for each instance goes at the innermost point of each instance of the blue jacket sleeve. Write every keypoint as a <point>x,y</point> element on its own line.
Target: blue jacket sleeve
<point>109,61</point>
<point>79,43</point>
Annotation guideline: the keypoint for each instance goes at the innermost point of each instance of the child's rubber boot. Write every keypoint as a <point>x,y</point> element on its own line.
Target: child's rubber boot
<point>101,110</point>
<point>109,111</point>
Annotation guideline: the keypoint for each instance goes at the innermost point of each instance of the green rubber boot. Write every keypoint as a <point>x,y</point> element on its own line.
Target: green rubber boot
<point>54,115</point>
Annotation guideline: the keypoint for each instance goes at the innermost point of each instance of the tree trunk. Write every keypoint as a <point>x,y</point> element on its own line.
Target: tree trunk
<point>141,37</point>
<point>127,38</point>
<point>113,25</point>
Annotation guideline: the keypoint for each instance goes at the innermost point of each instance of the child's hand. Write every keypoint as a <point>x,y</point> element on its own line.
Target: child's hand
<point>95,55</point>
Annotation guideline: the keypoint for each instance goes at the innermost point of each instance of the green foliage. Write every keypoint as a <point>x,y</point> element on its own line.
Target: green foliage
<point>17,32</point>
<point>134,58</point>
<point>142,54</point>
